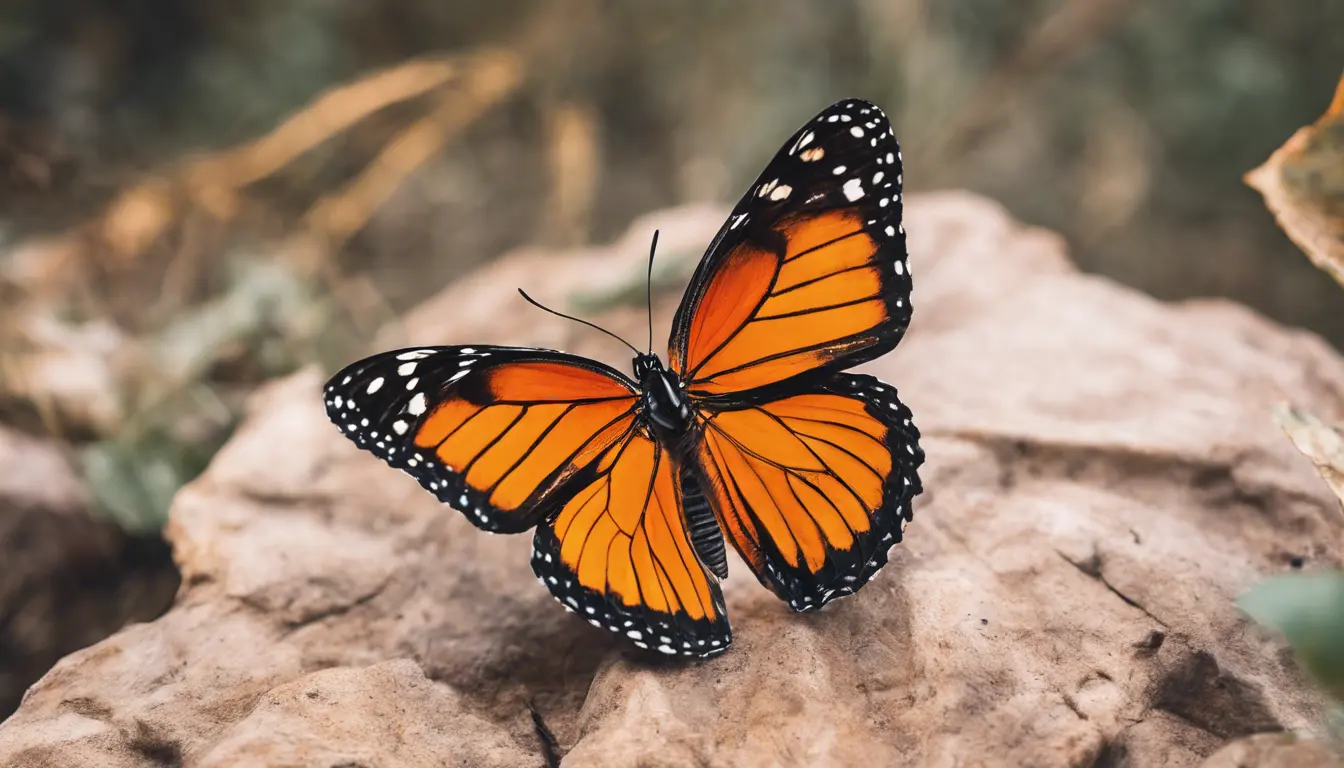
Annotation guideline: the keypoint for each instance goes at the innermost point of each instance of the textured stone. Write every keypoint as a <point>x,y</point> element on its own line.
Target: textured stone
<point>1103,479</point>
<point>1274,750</point>
<point>67,579</point>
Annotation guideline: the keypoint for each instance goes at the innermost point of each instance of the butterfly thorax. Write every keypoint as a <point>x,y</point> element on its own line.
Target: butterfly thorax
<point>664,398</point>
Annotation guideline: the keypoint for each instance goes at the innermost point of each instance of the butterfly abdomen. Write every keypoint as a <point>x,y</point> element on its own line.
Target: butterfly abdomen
<point>706,537</point>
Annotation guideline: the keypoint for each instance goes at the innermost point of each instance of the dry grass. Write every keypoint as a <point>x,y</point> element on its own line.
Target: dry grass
<point>149,408</point>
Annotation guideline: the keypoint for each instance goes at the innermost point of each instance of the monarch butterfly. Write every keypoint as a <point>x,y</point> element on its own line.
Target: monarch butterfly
<point>752,431</point>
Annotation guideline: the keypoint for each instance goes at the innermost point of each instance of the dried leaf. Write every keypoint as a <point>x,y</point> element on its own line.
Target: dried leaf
<point>1303,185</point>
<point>1318,441</point>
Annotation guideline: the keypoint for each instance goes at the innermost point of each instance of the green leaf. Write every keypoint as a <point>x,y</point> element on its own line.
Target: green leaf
<point>134,475</point>
<point>1308,609</point>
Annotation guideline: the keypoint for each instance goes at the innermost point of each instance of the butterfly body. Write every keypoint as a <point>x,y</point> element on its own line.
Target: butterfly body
<point>752,434</point>
<point>664,398</point>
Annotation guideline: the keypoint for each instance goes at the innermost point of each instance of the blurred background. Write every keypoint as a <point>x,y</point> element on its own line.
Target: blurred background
<point>200,195</point>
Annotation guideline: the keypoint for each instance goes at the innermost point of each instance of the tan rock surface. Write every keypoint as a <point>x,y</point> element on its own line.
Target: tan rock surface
<point>1274,750</point>
<point>1103,479</point>
<point>67,579</point>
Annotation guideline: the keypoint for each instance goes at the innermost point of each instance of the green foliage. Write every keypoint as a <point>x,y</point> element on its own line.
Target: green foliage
<point>133,477</point>
<point>192,390</point>
<point>1308,609</point>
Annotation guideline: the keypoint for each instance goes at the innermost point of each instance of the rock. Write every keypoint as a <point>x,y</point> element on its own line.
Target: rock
<point>385,714</point>
<point>66,579</point>
<point>1273,750</point>
<point>1103,479</point>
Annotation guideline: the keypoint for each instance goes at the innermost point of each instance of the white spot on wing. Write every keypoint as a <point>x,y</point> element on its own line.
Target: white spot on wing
<point>375,385</point>
<point>406,369</point>
<point>853,189</point>
<point>417,404</point>
<point>399,427</point>
<point>781,192</point>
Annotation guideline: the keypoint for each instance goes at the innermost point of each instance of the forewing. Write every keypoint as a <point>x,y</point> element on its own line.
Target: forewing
<point>813,489</point>
<point>492,431</point>
<point>810,269</point>
<point>619,554</point>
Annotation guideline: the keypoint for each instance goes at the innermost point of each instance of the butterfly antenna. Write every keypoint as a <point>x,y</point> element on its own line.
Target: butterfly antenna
<point>540,306</point>
<point>649,284</point>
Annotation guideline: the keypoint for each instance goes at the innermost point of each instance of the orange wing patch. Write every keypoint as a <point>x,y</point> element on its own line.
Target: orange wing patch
<point>619,553</point>
<point>729,301</point>
<point>624,536</point>
<point>765,317</point>
<point>808,488</point>
<point>544,421</point>
<point>510,452</point>
<point>808,480</point>
<point>539,382</point>
<point>493,431</point>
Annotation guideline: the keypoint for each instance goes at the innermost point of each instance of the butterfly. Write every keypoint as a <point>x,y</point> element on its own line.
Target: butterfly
<point>751,433</point>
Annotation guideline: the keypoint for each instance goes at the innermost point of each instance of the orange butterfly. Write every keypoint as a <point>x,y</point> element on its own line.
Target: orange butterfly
<point>751,431</point>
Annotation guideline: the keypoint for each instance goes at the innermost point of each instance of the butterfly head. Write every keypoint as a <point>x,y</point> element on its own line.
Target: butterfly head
<point>647,365</point>
<point>664,398</point>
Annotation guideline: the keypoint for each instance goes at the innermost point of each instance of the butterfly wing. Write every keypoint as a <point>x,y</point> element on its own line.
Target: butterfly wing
<point>809,271</point>
<point>493,431</point>
<point>618,552</point>
<point>813,488</point>
<point>517,438</point>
